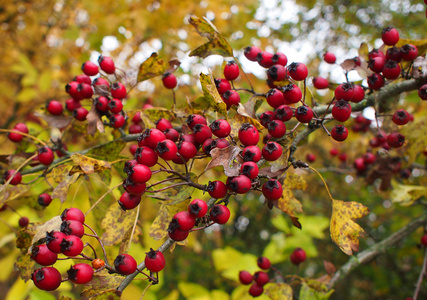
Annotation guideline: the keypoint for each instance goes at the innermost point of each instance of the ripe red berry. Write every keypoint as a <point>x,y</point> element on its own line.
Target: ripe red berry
<point>298,256</point>
<point>23,222</point>
<point>139,173</point>
<point>276,129</point>
<point>146,156</point>
<point>171,134</point>
<point>261,278</point>
<point>154,261</point>
<point>283,113</point>
<point>46,278</point>
<point>117,120</point>
<point>298,71</point>
<point>276,73</point>
<point>42,255</point>
<point>249,169</point>
<point>202,132</point>
<point>275,98</point>
<point>272,190</point>
<point>151,137</point>
<point>101,83</point>
<point>251,52</point>
<point>251,153</point>
<point>291,93</point>
<point>304,114</point>
<point>45,155</point>
<point>240,184</point>
<point>106,64</point>
<point>358,94</point>
<point>16,176</point>
<point>339,133</point>
<point>422,92</point>
<point>115,106</point>
<point>271,151</point>
<point>16,137</point>
<point>265,59</point>
<point>359,164</point>
<point>217,189</point>
<point>329,57</point>
<point>125,264</point>
<point>375,81</point>
<point>183,220</point>
<point>256,290</point>
<point>194,119</point>
<point>135,128</point>
<point>73,213</point>
<point>341,110</point>
<point>220,128</point>
<point>333,152</point>
<point>89,68</point>
<point>118,90</point>
<point>310,157</point>
<point>167,149</point>
<point>220,214</point>
<point>71,245</point>
<point>320,83</point>
<point>72,227</point>
<point>186,150</point>
<point>73,89</point>
<point>101,103</point>
<point>169,80</point>
<point>80,273</point>
<point>162,124</point>
<point>231,70</point>
<point>54,107</point>
<point>85,90</point>
<point>266,117</point>
<point>391,69</point>
<point>390,36</point>
<point>408,52</point>
<point>222,85</point>
<point>279,58</point>
<point>83,78</point>
<point>395,140</point>
<point>393,53</point>
<point>80,114</point>
<point>231,98</point>
<point>400,117</point>
<point>375,53</point>
<point>248,134</point>
<point>245,277</point>
<point>264,263</point>
<point>424,240</point>
<point>198,208</point>
<point>369,158</point>
<point>128,201</point>
<point>53,240</point>
<point>178,235</point>
<point>133,189</point>
<point>376,64</point>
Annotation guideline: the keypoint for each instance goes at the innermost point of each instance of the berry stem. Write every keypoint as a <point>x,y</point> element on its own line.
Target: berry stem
<point>421,277</point>
<point>24,134</point>
<point>99,241</point>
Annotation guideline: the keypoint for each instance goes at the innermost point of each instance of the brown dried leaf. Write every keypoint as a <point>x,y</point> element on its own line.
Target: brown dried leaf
<point>94,122</point>
<point>61,189</point>
<point>267,171</point>
<point>329,267</point>
<point>348,64</point>
<point>241,111</point>
<point>173,65</point>
<point>225,157</point>
<point>40,230</point>
<point>252,105</point>
<point>59,122</point>
<point>344,231</point>
<point>89,165</point>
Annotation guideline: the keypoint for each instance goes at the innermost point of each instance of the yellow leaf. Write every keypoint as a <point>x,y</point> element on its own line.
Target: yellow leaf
<point>151,67</point>
<point>59,173</point>
<point>61,190</point>
<point>89,165</point>
<point>416,139</point>
<point>211,94</point>
<point>287,202</point>
<point>344,231</point>
<point>407,194</point>
<point>278,291</point>
<point>116,223</point>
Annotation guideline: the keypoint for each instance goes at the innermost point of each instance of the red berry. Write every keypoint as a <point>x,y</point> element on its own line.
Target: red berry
<point>264,263</point>
<point>245,277</point>
<point>261,278</point>
<point>101,103</point>
<point>162,124</point>
<point>183,220</point>
<point>202,132</point>
<point>375,81</point>
<point>220,214</point>
<point>42,255</point>
<point>339,133</point>
<point>275,98</point>
<point>248,134</point>
<point>424,240</point>
<point>128,201</point>
<point>117,121</point>
<point>101,83</point>
<point>249,169</point>
<point>178,235</point>
<point>283,113</point>
<point>194,119</point>
<point>106,64</point>
<point>125,264</point>
<point>393,53</point>
<point>118,90</point>
<point>298,256</point>
<point>271,151</point>
<point>83,78</point>
<point>146,156</point>
<point>16,176</point>
<point>280,59</point>
<point>390,36</point>
<point>408,52</point>
<point>186,150</point>
<point>266,117</point>
<point>71,245</point>
<point>54,107</point>
<point>401,117</point>
<point>272,190</point>
<point>89,68</point>
<point>369,158</point>
<point>298,71</point>
<point>329,57</point>
<point>45,155</point>
<point>85,90</point>
<point>310,157</point>
<point>251,153</point>
<point>220,128</point>
<point>154,261</point>
<point>304,114</point>
<point>391,69</point>
<point>344,91</point>
<point>151,137</point>
<point>376,64</point>
<point>16,137</point>
<point>359,164</point>
<point>231,98</point>
<point>375,53</point>
<point>133,189</point>
<point>23,222</point>
<point>265,59</point>
<point>73,213</point>
<point>240,184</point>
<point>171,134</point>
<point>80,114</point>
<point>358,94</point>
<point>291,93</point>
<point>333,152</point>
<point>167,149</point>
<point>73,227</point>
<point>73,89</point>
<point>276,129</point>
<point>169,81</point>
<point>422,92</point>
<point>251,53</point>
<point>139,173</point>
<point>46,278</point>
<point>395,140</point>
<point>276,73</point>
<point>320,83</point>
<point>222,85</point>
<point>256,290</point>
<point>217,189</point>
<point>341,111</point>
<point>115,106</point>
<point>231,70</point>
<point>198,208</point>
<point>80,273</point>
<point>53,240</point>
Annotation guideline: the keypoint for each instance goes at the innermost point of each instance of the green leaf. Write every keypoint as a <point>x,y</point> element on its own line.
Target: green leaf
<point>108,152</point>
<point>309,293</point>
<point>211,94</point>
<point>230,262</point>
<point>190,290</point>
<point>217,43</point>
<point>150,68</point>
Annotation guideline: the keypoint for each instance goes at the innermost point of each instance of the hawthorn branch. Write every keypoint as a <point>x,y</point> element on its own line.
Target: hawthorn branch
<point>377,249</point>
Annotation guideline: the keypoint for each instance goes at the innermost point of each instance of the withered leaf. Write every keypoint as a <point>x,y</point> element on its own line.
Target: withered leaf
<point>225,157</point>
<point>94,122</point>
